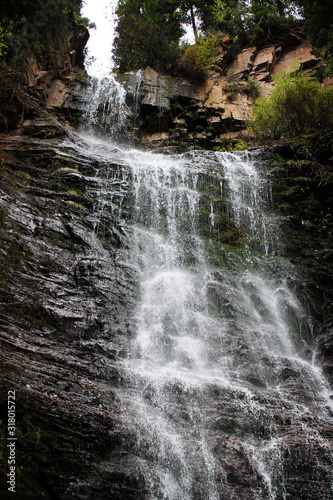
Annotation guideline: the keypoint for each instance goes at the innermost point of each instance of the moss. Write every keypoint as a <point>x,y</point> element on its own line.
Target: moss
<point>75,205</point>
<point>47,129</point>
<point>75,192</point>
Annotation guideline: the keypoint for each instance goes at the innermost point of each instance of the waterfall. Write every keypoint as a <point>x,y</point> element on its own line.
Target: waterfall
<point>106,110</point>
<point>111,111</point>
<point>219,358</point>
<point>218,392</point>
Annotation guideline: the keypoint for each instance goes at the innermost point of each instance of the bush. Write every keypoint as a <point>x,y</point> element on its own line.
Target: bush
<point>296,106</point>
<point>251,88</point>
<point>266,25</point>
<point>197,58</point>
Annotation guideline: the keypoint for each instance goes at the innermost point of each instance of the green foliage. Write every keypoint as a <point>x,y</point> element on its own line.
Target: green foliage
<point>267,20</point>
<point>197,58</point>
<point>318,16</point>
<point>251,88</point>
<point>147,34</point>
<point>149,31</point>
<point>229,16</point>
<point>6,29</point>
<point>325,70</point>
<point>296,106</point>
<point>233,87</point>
<point>38,27</point>
<point>198,12</point>
<point>251,22</point>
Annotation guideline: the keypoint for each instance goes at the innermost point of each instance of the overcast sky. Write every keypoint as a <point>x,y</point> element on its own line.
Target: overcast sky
<point>102,13</point>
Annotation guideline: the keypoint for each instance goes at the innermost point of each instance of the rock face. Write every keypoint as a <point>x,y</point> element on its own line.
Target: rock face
<point>68,296</point>
<point>304,198</point>
<point>67,312</point>
<point>176,112</point>
<point>65,297</point>
<point>29,99</point>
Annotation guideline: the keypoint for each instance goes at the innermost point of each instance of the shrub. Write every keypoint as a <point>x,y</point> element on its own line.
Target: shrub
<point>251,88</point>
<point>296,106</point>
<point>197,59</point>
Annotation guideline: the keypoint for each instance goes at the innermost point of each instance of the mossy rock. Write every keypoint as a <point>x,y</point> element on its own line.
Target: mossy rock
<point>43,129</point>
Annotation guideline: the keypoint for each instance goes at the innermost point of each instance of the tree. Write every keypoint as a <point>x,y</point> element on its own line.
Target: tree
<point>267,20</point>
<point>147,33</point>
<point>244,21</point>
<point>200,10</point>
<point>26,25</point>
<point>229,17</point>
<point>318,22</point>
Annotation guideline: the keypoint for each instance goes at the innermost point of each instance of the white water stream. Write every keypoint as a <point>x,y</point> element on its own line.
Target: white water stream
<point>218,376</point>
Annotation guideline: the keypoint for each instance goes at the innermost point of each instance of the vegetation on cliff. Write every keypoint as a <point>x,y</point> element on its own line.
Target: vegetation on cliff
<point>299,112</point>
<point>32,33</point>
<point>297,106</point>
<point>149,32</point>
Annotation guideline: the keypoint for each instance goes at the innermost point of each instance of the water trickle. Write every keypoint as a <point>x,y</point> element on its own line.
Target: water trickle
<point>106,110</point>
<point>250,196</point>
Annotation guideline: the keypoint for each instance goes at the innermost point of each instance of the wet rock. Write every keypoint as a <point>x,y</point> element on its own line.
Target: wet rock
<point>67,318</point>
<point>61,306</point>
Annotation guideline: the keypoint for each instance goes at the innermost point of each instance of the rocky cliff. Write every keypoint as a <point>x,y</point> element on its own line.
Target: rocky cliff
<point>30,83</point>
<point>180,114</point>
<point>67,294</point>
<point>65,304</point>
<point>67,301</point>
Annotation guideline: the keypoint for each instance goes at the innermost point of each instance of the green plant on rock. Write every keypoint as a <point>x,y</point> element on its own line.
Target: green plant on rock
<point>232,86</point>
<point>240,145</point>
<point>251,88</point>
<point>197,58</point>
<point>297,106</point>
<point>267,21</point>
<point>6,28</point>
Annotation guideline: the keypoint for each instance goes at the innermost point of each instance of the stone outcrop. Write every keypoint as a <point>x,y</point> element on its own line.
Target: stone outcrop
<point>173,113</point>
<point>177,113</point>
<point>44,78</point>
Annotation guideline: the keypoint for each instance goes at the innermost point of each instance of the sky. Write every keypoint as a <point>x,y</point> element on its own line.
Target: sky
<point>102,13</point>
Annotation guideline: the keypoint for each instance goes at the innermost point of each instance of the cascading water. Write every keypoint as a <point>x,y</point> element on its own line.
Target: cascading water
<point>106,111</point>
<point>106,108</point>
<point>218,392</point>
<point>215,361</point>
